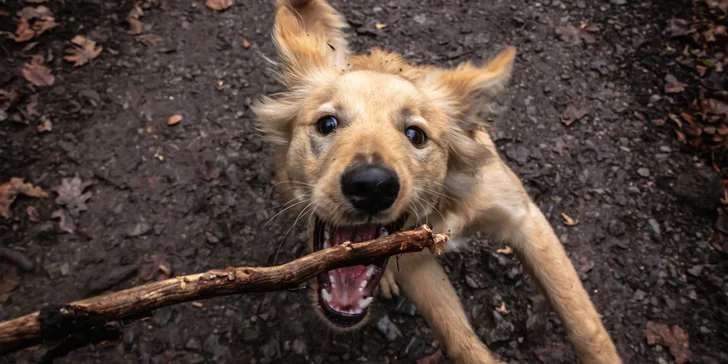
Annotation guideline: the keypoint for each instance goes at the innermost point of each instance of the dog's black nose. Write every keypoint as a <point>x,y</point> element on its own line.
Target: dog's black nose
<point>370,188</point>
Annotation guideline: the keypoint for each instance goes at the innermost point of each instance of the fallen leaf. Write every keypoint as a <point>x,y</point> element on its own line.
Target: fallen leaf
<point>218,4</point>
<point>71,196</point>
<point>246,44</point>
<point>701,70</point>
<point>572,114</point>
<point>502,308</point>
<point>574,35</point>
<point>174,119</point>
<point>380,25</point>
<point>149,40</point>
<point>10,190</point>
<point>675,338</point>
<point>43,24</point>
<point>37,12</point>
<point>674,87</point>
<point>82,51</point>
<point>568,221</point>
<point>36,73</point>
<point>714,106</point>
<point>435,358</point>
<point>45,125</point>
<point>10,280</point>
<point>66,224</point>
<point>23,31</point>
<point>507,250</point>
<point>32,214</point>
<point>135,26</point>
<point>31,108</point>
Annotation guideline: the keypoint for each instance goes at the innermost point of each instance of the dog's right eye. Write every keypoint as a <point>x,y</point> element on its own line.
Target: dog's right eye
<point>327,124</point>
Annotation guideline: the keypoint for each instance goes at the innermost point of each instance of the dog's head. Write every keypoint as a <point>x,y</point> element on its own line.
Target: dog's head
<point>369,141</point>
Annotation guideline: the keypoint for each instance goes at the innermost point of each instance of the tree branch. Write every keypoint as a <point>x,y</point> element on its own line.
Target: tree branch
<point>75,318</point>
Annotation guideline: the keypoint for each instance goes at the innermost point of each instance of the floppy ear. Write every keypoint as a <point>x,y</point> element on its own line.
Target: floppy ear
<point>461,93</point>
<point>310,39</point>
<point>311,45</point>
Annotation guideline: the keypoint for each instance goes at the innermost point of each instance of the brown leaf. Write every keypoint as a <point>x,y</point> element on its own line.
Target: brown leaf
<point>45,125</point>
<point>10,280</point>
<point>71,196</point>
<point>82,51</point>
<point>23,32</point>
<point>572,114</point>
<point>43,24</point>
<point>246,44</point>
<point>174,119</point>
<point>681,136</point>
<point>135,26</point>
<point>658,122</point>
<point>66,224</point>
<point>36,73</point>
<point>435,358</point>
<point>714,106</point>
<point>10,190</point>
<point>687,117</point>
<point>37,12</point>
<point>675,338</point>
<point>149,40</point>
<point>568,221</point>
<point>674,87</point>
<point>32,214</point>
<point>218,4</point>
<point>701,70</point>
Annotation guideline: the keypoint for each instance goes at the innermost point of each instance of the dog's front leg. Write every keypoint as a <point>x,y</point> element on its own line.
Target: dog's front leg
<point>542,253</point>
<point>424,282</point>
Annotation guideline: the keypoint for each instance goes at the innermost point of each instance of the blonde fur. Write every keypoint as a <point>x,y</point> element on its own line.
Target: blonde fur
<point>455,181</point>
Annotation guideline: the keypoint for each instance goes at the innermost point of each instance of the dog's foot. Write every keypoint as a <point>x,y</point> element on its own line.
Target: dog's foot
<point>388,285</point>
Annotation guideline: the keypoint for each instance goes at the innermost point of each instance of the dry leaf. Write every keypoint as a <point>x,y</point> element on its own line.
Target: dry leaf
<point>507,250</point>
<point>36,73</point>
<point>380,25</point>
<point>45,125</point>
<point>502,308</point>
<point>66,224</point>
<point>135,26</point>
<point>10,280</point>
<point>675,338</point>
<point>674,87</point>
<point>71,196</point>
<point>10,190</point>
<point>23,32</point>
<point>218,4</point>
<point>246,44</point>
<point>568,221</point>
<point>149,40</point>
<point>82,51</point>
<point>174,119</point>
<point>435,358</point>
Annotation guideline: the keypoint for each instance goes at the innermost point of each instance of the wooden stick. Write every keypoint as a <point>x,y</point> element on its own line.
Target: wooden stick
<point>64,320</point>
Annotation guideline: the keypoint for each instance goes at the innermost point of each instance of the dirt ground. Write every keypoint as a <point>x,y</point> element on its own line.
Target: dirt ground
<point>197,195</point>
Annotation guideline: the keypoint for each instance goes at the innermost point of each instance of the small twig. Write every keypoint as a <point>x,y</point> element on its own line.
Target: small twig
<point>80,317</point>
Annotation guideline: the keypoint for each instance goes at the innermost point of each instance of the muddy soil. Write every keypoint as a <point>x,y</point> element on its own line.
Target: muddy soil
<point>198,196</point>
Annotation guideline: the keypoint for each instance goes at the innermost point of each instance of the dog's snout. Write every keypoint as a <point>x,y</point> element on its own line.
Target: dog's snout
<point>370,188</point>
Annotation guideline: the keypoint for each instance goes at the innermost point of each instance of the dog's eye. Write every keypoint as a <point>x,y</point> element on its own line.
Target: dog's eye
<point>327,125</point>
<point>415,135</point>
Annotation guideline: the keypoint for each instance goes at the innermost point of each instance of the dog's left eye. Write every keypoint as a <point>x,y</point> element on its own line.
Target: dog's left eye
<point>415,135</point>
<point>327,124</point>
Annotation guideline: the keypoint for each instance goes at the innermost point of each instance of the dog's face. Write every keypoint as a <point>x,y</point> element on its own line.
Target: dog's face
<point>370,142</point>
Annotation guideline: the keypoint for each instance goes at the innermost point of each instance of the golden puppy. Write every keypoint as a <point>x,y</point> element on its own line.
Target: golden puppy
<point>368,145</point>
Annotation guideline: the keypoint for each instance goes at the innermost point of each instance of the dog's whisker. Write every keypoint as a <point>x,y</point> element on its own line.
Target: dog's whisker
<point>275,259</point>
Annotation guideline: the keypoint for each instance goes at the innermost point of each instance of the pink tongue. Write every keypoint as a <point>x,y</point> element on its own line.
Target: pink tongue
<point>354,234</point>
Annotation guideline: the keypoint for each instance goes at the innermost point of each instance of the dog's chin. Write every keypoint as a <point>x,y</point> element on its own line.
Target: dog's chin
<point>343,296</point>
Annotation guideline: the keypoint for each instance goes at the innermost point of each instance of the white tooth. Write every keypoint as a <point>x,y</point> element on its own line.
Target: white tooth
<point>331,278</point>
<point>370,271</point>
<point>358,311</point>
<point>361,289</point>
<point>364,303</point>
<point>363,284</point>
<point>383,232</point>
<point>325,294</point>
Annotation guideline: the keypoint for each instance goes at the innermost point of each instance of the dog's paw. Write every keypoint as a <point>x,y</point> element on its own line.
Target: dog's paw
<point>388,285</point>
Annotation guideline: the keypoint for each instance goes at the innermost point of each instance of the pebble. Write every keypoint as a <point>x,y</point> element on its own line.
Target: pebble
<point>139,229</point>
<point>415,349</point>
<point>470,281</point>
<point>193,344</point>
<point>212,346</point>
<point>695,270</point>
<point>162,316</point>
<point>655,226</point>
<point>388,328</point>
<point>502,330</point>
<point>299,346</point>
<point>644,172</point>
<point>639,295</point>
<point>420,19</point>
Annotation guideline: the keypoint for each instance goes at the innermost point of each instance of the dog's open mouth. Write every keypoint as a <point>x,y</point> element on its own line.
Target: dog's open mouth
<point>344,294</point>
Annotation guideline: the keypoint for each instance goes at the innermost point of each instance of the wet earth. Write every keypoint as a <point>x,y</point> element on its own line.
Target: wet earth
<point>197,195</point>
